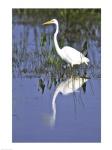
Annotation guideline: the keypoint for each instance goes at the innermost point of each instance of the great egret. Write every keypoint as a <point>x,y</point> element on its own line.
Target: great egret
<point>69,54</point>
<point>66,87</point>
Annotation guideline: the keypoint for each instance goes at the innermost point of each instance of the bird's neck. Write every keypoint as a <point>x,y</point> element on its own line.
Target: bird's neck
<point>54,102</point>
<point>55,39</point>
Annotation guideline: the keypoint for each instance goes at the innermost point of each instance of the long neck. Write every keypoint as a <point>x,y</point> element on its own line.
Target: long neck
<point>54,104</point>
<point>55,39</point>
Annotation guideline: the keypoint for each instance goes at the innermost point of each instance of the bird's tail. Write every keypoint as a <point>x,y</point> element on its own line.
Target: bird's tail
<point>86,61</point>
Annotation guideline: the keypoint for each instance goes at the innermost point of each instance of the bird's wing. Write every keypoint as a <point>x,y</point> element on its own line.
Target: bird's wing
<point>71,53</point>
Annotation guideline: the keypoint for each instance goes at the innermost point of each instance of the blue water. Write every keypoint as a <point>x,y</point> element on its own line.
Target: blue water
<point>75,122</point>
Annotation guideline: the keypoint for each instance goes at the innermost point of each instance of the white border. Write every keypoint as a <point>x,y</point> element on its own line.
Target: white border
<point>5,71</point>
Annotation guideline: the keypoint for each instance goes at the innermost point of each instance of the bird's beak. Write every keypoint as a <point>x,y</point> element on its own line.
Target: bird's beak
<point>48,22</point>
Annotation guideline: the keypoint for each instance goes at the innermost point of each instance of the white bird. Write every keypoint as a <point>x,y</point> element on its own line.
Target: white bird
<point>69,54</point>
<point>66,87</point>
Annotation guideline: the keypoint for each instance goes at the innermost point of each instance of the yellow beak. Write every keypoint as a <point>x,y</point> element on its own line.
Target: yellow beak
<point>48,22</point>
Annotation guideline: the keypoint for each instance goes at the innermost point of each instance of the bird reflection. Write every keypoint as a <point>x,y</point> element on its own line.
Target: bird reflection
<point>66,87</point>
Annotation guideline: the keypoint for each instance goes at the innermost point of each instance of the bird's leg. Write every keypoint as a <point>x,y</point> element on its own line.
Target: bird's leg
<point>81,70</point>
<point>72,69</point>
<point>85,70</point>
<point>75,67</point>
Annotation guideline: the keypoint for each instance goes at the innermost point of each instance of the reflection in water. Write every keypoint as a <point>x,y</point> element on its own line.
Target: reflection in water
<point>66,87</point>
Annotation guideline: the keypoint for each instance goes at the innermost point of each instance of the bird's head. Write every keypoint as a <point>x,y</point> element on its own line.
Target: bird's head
<point>53,21</point>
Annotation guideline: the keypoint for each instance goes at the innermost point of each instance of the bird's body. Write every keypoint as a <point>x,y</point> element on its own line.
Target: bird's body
<point>73,56</point>
<point>69,54</point>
